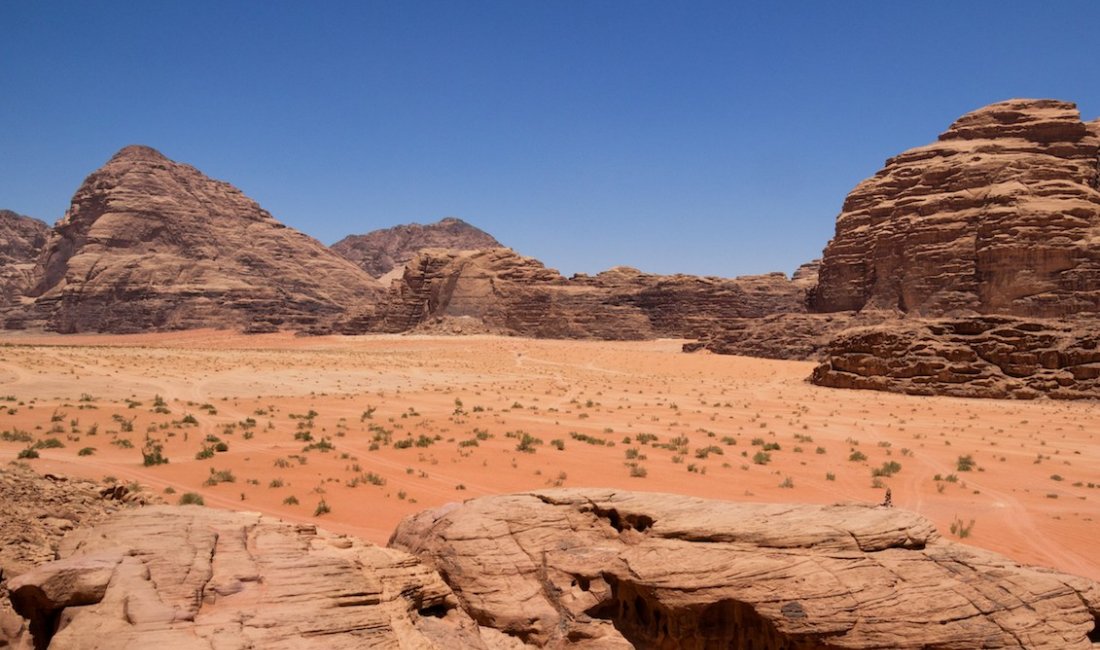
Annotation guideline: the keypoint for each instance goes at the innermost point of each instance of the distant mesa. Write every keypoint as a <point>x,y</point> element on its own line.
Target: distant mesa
<point>150,244</point>
<point>381,252</point>
<point>497,290</point>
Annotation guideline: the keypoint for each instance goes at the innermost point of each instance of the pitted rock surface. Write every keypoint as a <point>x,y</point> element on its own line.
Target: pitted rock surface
<point>610,569</point>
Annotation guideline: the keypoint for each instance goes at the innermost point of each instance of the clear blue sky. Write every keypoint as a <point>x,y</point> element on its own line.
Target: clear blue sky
<point>711,138</point>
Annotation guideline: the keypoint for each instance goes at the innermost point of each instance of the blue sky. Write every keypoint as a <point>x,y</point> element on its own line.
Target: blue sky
<point>710,138</point>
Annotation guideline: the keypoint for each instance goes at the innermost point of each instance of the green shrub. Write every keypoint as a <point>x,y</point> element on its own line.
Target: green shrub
<point>191,499</point>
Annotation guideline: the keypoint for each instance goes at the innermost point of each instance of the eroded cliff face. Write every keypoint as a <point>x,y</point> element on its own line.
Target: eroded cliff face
<point>21,240</point>
<point>1000,216</point>
<point>151,244</point>
<point>497,290</point>
<point>613,569</point>
<point>988,356</point>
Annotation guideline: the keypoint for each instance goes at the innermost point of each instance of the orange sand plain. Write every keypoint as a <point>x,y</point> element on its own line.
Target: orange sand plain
<point>464,404</point>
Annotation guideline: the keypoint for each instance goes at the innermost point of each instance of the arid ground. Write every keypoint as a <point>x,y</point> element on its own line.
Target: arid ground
<point>378,427</point>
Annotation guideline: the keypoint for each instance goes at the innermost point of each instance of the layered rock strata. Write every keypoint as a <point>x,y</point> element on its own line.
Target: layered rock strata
<point>607,569</point>
<point>1000,216</point>
<point>21,240</point>
<point>190,577</point>
<point>382,251</point>
<point>151,244</point>
<point>987,356</point>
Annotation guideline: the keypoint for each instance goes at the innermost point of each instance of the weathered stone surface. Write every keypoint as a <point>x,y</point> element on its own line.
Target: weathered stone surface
<point>381,251</point>
<point>191,577</point>
<point>780,336</point>
<point>21,240</point>
<point>152,244</point>
<point>35,514</point>
<point>497,290</point>
<point>988,356</point>
<point>602,568</point>
<point>1000,216</point>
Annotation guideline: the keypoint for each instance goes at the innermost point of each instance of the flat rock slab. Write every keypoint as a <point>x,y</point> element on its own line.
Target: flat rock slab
<point>190,577</point>
<point>602,568</point>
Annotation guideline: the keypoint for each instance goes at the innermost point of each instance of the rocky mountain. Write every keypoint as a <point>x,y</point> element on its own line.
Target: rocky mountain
<point>382,251</point>
<point>152,244</point>
<point>999,216</point>
<point>498,290</point>
<point>563,568</point>
<point>21,240</point>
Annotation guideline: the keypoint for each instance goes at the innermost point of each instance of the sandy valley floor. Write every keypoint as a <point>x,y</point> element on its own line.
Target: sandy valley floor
<point>379,427</point>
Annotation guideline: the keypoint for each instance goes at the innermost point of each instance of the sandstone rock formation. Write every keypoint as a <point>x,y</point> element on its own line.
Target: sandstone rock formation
<point>987,356</point>
<point>781,336</point>
<point>382,251</point>
<point>606,569</point>
<point>21,239</point>
<point>35,514</point>
<point>151,244</point>
<point>498,290</point>
<point>189,577</point>
<point>999,216</point>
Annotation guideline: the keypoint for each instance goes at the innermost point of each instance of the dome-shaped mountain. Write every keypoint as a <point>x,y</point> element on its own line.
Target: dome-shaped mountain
<point>152,244</point>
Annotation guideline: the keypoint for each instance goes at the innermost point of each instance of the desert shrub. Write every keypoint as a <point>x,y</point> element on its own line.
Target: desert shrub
<point>152,453</point>
<point>964,463</point>
<point>191,499</point>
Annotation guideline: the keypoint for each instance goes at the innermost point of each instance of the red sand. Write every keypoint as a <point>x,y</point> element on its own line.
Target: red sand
<point>1028,495</point>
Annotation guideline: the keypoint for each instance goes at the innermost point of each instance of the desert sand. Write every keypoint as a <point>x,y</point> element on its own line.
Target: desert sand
<point>312,420</point>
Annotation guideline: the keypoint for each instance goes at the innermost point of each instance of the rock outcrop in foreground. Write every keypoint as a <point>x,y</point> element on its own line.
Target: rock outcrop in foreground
<point>186,577</point>
<point>500,291</point>
<point>150,244</point>
<point>21,239</point>
<point>381,251</point>
<point>607,569</point>
<point>1000,216</point>
<point>36,512</point>
<point>990,356</point>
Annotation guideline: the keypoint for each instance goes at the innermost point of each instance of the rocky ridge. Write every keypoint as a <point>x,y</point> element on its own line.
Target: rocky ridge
<point>21,240</point>
<point>609,569</point>
<point>381,252</point>
<point>151,244</point>
<point>498,290</point>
